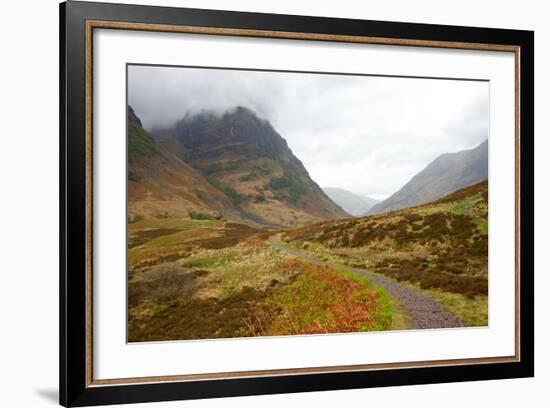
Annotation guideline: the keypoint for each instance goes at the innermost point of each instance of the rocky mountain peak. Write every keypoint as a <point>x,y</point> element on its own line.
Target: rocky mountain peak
<point>132,117</point>
<point>239,131</point>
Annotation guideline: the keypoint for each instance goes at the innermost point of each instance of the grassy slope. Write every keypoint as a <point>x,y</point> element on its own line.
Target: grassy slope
<point>140,144</point>
<point>211,279</point>
<point>440,248</point>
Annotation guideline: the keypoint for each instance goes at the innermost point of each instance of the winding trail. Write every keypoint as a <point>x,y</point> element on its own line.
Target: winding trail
<point>424,311</point>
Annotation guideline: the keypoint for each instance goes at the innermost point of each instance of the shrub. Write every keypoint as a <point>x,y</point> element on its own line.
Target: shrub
<point>447,274</point>
<point>195,215</point>
<point>135,218</point>
<point>211,169</point>
<point>214,183</point>
<point>233,196</point>
<point>462,227</point>
<point>259,198</point>
<point>133,177</point>
<point>229,192</point>
<point>248,177</point>
<point>233,165</point>
<point>289,182</point>
<point>167,283</point>
<point>201,195</point>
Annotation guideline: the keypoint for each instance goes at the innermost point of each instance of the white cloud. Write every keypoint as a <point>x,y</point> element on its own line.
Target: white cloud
<point>369,135</point>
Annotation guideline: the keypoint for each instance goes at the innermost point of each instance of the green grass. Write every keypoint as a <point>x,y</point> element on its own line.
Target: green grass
<point>458,208</point>
<point>232,194</point>
<point>157,240</point>
<point>214,183</point>
<point>249,289</point>
<point>289,182</point>
<point>320,300</point>
<point>259,198</point>
<point>233,165</point>
<point>177,223</point>
<point>229,192</point>
<point>465,205</point>
<point>139,143</point>
<point>210,261</point>
<point>201,195</point>
<point>482,225</point>
<point>471,312</point>
<point>172,239</point>
<point>306,301</point>
<point>135,218</point>
<point>390,314</point>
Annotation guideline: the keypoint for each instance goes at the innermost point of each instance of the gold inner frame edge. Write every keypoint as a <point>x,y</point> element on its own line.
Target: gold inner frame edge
<point>100,24</point>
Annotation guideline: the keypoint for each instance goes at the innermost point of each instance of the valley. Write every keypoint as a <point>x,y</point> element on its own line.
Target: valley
<point>193,279</point>
<point>229,236</point>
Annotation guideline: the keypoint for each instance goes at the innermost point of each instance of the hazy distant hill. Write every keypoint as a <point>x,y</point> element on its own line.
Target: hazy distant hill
<point>352,203</point>
<point>239,157</point>
<point>446,174</point>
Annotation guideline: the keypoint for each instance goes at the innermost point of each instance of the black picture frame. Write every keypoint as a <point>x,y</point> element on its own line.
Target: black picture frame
<point>75,389</point>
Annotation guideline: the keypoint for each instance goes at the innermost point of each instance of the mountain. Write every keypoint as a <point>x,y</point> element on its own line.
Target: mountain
<point>352,203</point>
<point>160,184</point>
<point>234,164</point>
<point>369,200</point>
<point>446,174</point>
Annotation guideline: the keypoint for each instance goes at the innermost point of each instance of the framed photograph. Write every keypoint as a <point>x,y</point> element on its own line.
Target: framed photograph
<point>256,203</point>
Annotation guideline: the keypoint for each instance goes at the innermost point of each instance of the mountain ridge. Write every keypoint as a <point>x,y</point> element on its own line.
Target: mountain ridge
<point>244,158</point>
<point>447,173</point>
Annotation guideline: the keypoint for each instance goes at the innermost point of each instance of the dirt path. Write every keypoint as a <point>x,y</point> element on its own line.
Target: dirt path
<point>424,311</point>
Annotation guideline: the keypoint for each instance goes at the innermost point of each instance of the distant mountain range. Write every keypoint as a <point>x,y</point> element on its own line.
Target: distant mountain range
<point>446,174</point>
<point>234,166</point>
<point>354,204</point>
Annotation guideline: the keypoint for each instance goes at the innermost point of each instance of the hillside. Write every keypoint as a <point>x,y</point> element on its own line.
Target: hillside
<point>352,203</point>
<point>441,247</point>
<point>162,185</point>
<point>243,157</point>
<point>447,173</point>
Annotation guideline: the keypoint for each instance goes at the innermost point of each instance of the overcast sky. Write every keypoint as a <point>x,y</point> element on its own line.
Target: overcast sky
<point>369,135</point>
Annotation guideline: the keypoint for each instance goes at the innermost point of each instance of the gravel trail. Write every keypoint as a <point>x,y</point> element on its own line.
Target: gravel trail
<point>424,311</point>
